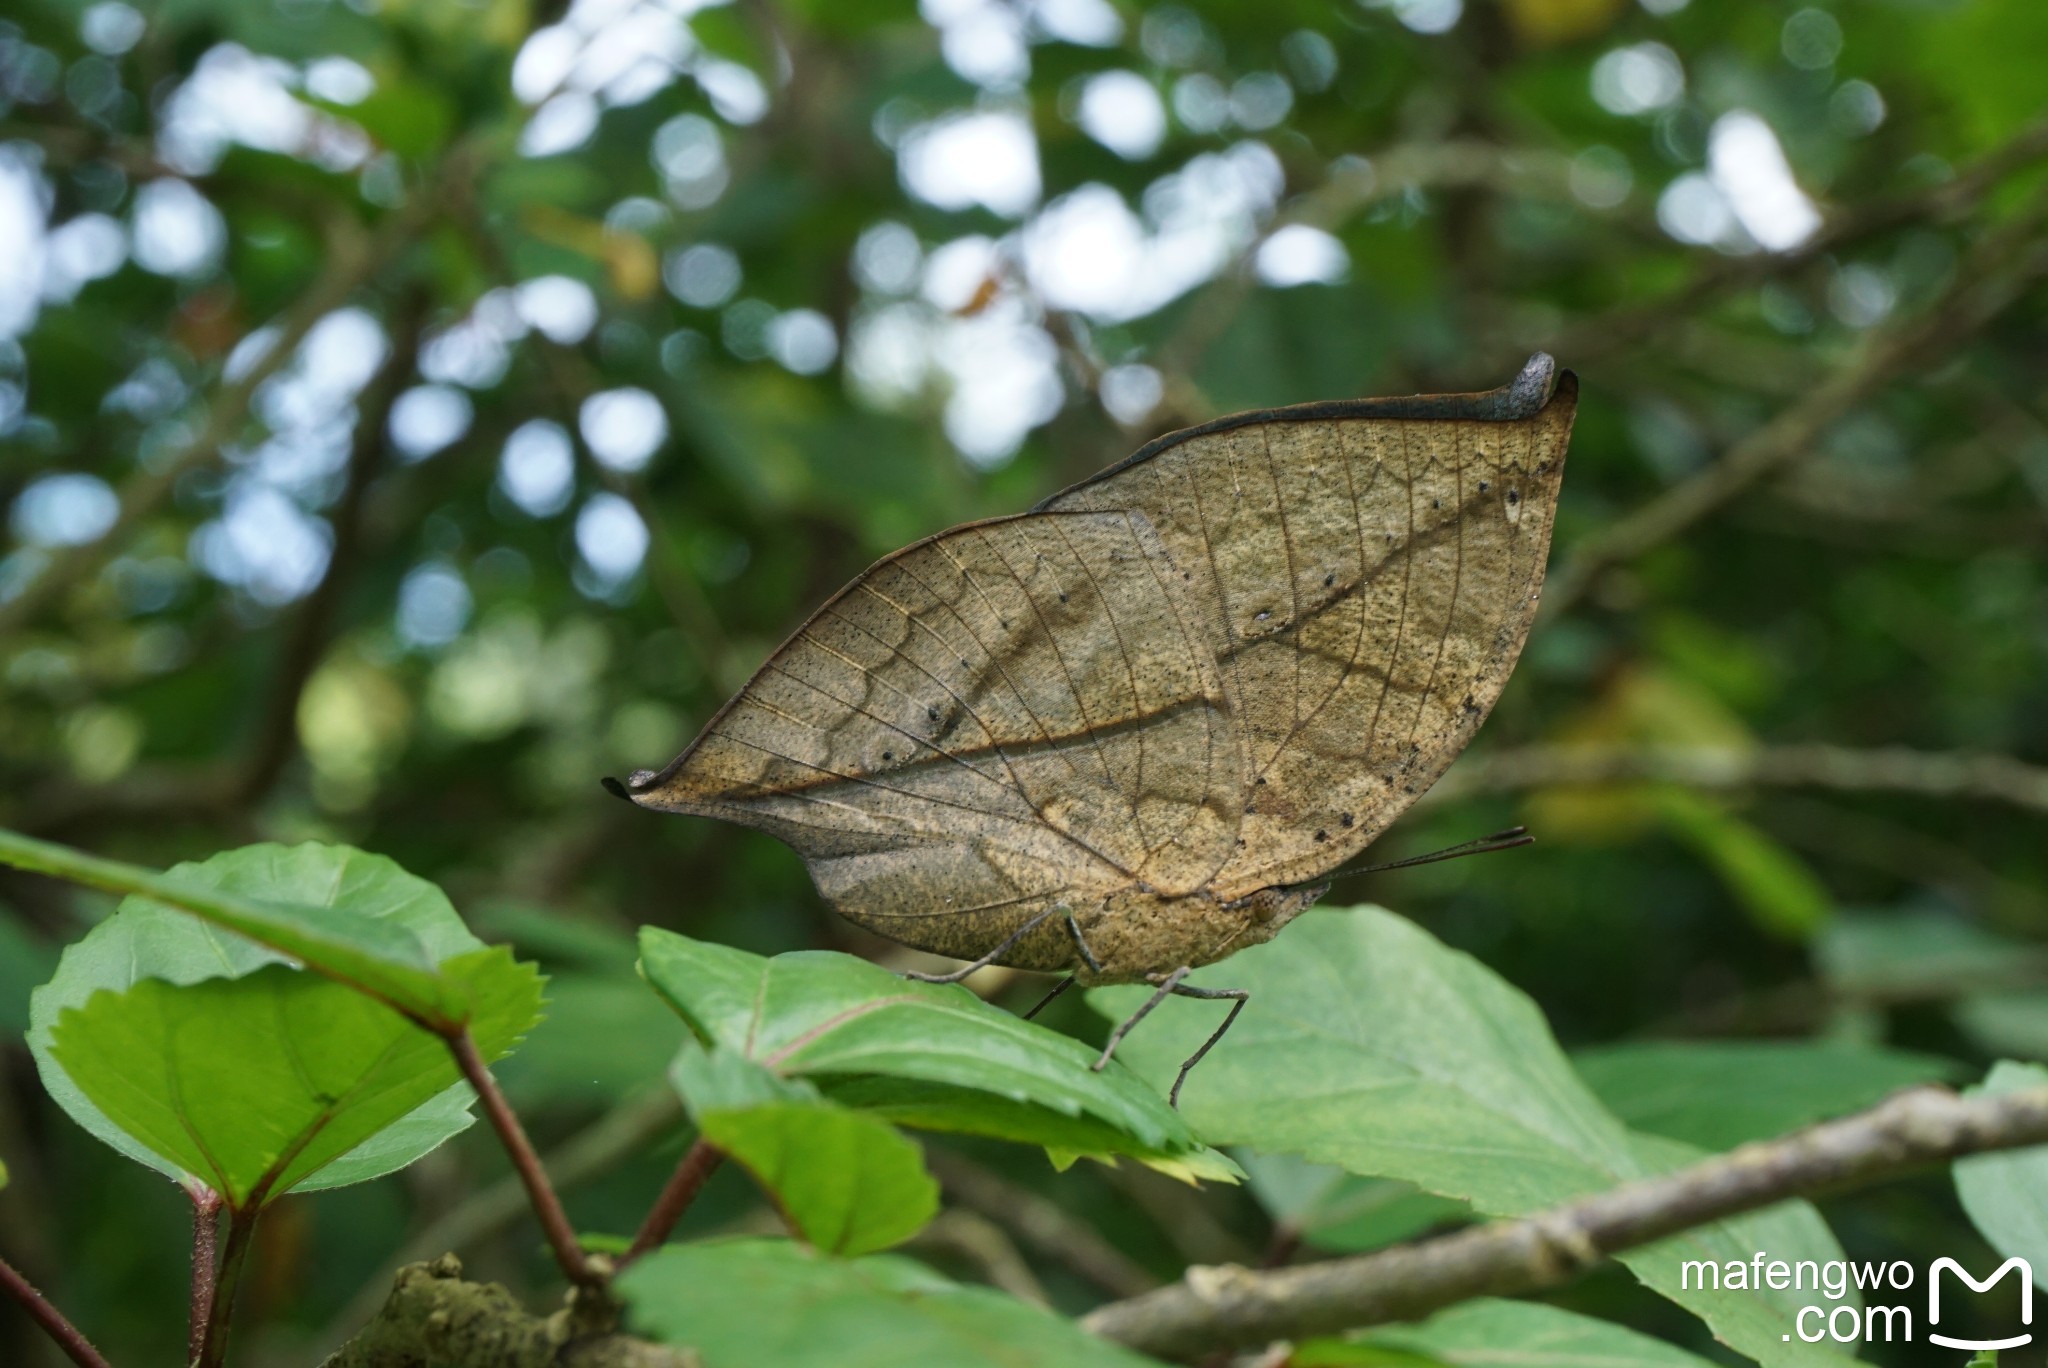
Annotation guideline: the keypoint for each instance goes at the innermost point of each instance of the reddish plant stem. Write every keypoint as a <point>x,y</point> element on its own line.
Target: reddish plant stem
<point>75,1345</point>
<point>554,1221</point>
<point>213,1345</point>
<point>697,1166</point>
<point>205,1229</point>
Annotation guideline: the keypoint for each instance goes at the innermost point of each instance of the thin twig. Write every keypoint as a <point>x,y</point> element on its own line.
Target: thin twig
<point>699,1162</point>
<point>1846,769</point>
<point>74,1344</point>
<point>1990,281</point>
<point>547,1207</point>
<point>213,1344</point>
<point>206,1206</point>
<point>1231,1306</point>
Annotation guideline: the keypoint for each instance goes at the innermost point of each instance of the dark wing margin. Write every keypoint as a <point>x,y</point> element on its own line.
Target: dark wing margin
<point>1522,397</point>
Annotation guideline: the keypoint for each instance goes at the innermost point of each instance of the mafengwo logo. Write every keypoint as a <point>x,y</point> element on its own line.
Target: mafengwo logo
<point>2013,1265</point>
<point>1845,1322</point>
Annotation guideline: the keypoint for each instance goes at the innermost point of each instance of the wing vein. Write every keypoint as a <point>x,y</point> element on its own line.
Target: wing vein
<point>1457,583</point>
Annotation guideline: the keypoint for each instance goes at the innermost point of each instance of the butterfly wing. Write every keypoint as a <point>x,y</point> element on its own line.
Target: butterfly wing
<point>1377,564</point>
<point>994,720</point>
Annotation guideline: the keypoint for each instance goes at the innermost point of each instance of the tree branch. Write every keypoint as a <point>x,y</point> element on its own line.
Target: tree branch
<point>1997,273</point>
<point>1237,1307</point>
<point>75,1345</point>
<point>433,1319</point>
<point>1889,769</point>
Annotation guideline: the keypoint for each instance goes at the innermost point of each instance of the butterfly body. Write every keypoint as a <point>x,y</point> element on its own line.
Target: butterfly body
<point>1131,731</point>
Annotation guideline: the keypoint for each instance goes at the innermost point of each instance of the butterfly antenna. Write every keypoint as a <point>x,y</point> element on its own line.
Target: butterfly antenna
<point>1483,845</point>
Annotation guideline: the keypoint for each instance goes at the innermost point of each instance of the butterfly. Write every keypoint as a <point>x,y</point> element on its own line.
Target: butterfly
<point>1133,730</point>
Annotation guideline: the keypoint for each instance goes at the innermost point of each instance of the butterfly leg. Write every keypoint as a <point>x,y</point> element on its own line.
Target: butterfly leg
<point>991,957</point>
<point>1058,988</point>
<point>1081,944</point>
<point>1239,997</point>
<point>1166,988</point>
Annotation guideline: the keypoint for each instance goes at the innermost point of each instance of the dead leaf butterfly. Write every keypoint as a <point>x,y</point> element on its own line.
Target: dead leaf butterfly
<point>1133,730</point>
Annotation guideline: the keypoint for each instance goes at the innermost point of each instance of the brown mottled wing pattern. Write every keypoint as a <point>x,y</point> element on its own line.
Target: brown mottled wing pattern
<point>1377,567</point>
<point>1003,717</point>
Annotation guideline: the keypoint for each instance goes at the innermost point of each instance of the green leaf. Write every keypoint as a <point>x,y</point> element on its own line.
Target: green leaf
<point>846,1182</point>
<point>340,912</point>
<point>2006,1194</point>
<point>1721,1094</point>
<point>147,940</point>
<point>1369,1045</point>
<point>1342,1212</point>
<point>919,1054</point>
<point>255,1084</point>
<point>1491,1332</point>
<point>744,1303</point>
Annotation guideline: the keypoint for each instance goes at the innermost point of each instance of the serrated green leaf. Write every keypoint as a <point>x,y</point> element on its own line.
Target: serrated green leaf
<point>1369,1045</point>
<point>256,1084</point>
<point>2006,1195</point>
<point>746,1303</point>
<point>1720,1094</point>
<point>847,1183</point>
<point>1491,1332</point>
<point>919,1054</point>
<point>147,940</point>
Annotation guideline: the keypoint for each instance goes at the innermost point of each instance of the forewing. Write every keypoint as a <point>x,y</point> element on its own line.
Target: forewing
<point>1002,716</point>
<point>1376,576</point>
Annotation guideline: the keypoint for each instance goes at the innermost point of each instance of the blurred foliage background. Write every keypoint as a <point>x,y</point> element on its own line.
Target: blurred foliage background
<point>410,412</point>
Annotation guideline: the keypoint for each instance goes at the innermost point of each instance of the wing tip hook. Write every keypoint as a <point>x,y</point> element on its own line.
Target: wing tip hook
<point>1539,385</point>
<point>638,782</point>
